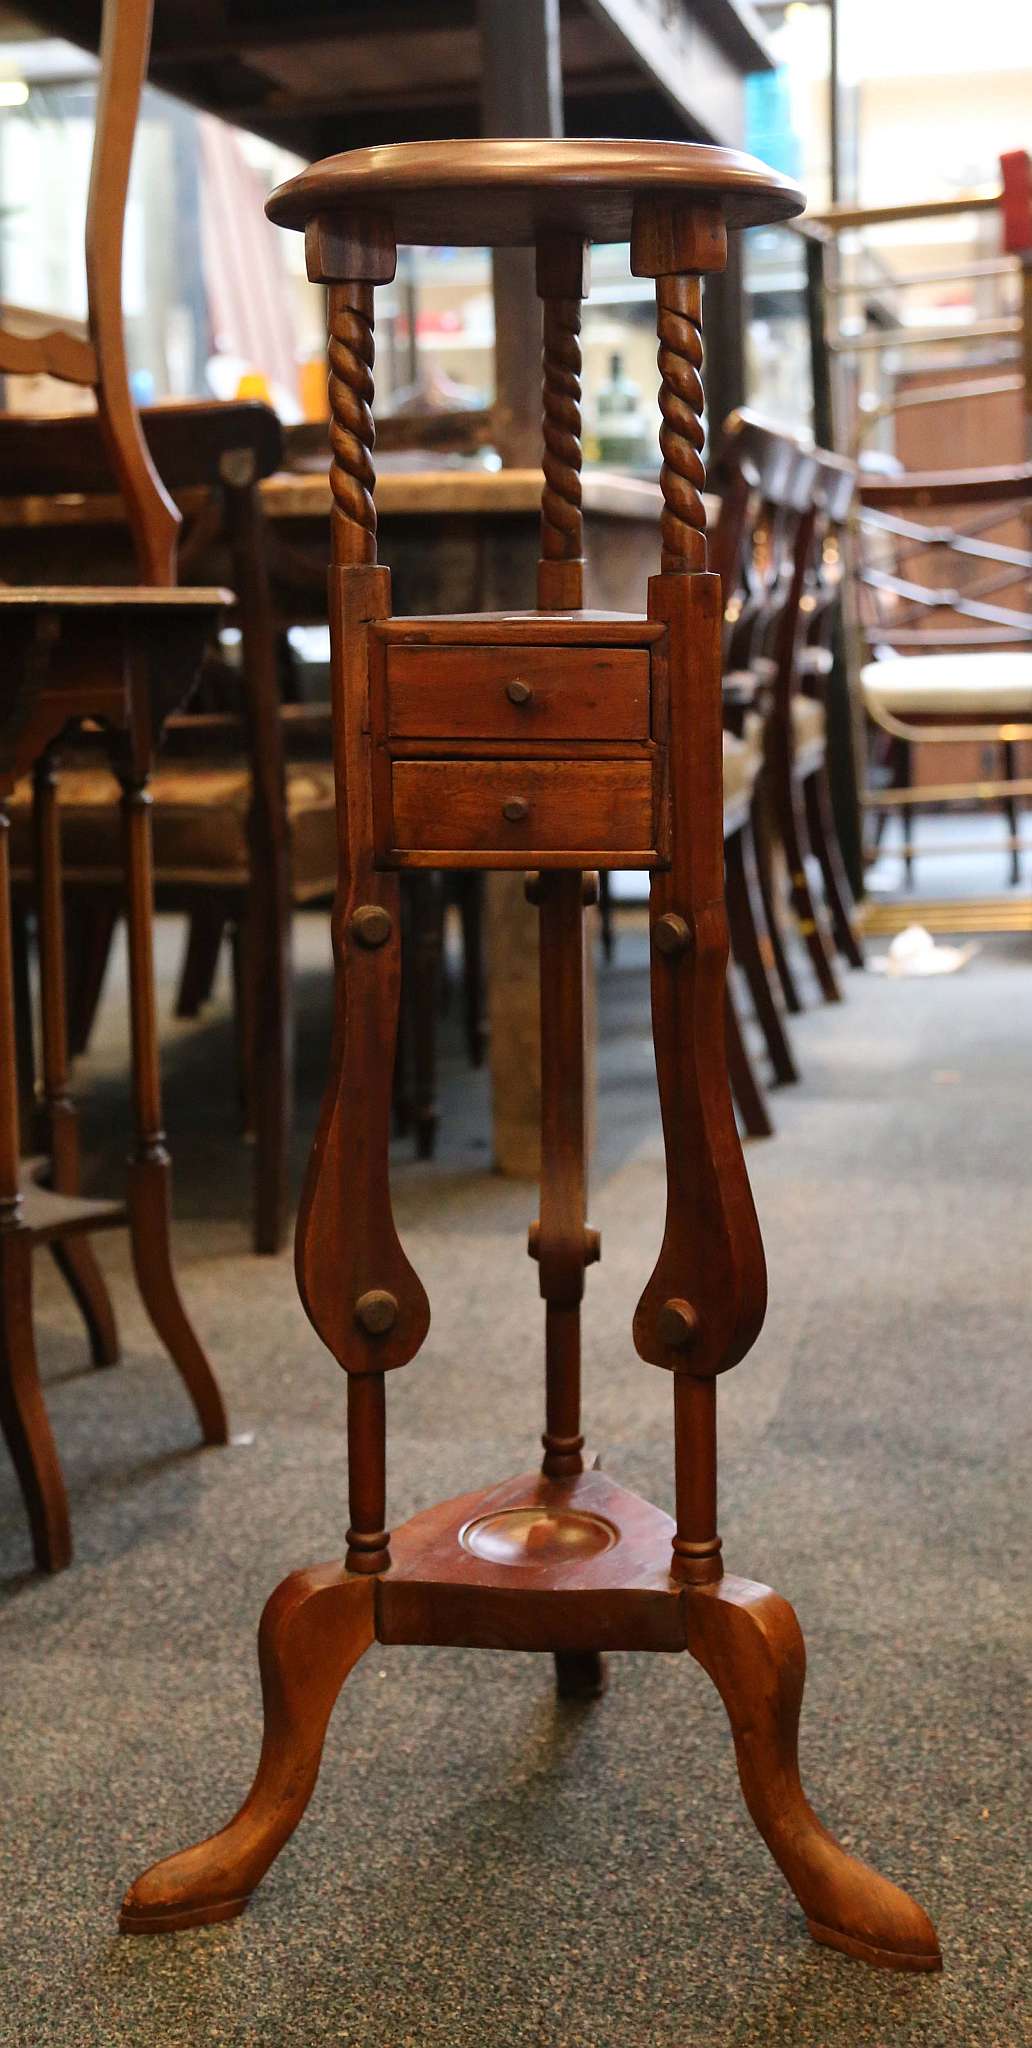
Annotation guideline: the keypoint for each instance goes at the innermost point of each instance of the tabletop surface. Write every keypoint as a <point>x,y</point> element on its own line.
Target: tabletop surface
<point>498,193</point>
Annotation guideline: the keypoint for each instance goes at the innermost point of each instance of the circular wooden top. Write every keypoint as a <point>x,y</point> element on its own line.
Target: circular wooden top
<point>497,193</point>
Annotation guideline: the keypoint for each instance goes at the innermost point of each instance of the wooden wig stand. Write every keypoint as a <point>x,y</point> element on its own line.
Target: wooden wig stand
<point>559,741</point>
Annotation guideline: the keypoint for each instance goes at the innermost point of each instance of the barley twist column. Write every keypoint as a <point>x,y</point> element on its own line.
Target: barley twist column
<point>562,261</point>
<point>352,433</point>
<point>683,475</point>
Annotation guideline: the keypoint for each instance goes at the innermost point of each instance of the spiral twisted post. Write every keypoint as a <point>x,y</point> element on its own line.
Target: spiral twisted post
<point>352,433</point>
<point>681,399</point>
<point>561,518</point>
<point>562,264</point>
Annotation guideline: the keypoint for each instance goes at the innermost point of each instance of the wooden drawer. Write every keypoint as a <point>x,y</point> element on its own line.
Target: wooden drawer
<point>518,693</point>
<point>515,813</point>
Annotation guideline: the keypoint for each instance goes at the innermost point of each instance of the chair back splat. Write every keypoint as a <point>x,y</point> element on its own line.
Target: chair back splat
<point>100,361</point>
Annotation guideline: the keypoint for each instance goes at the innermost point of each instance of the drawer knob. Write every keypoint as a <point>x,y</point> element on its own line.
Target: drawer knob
<point>519,692</point>
<point>515,808</point>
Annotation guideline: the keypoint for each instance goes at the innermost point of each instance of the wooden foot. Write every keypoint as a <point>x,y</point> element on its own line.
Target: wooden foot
<point>314,1629</point>
<point>580,1674</point>
<point>23,1416</point>
<point>749,1642</point>
<point>152,1261</point>
<point>75,1261</point>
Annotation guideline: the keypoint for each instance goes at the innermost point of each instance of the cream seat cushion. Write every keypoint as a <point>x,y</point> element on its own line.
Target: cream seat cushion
<point>742,762</point>
<point>199,820</point>
<point>809,727</point>
<point>949,685</point>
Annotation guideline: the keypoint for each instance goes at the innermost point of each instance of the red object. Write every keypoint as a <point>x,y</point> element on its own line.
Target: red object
<point>1016,171</point>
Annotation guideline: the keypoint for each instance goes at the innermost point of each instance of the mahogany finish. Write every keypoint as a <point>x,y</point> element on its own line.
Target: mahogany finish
<point>565,1560</point>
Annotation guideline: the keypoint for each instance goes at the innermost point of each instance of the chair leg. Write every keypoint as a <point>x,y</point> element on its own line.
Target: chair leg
<point>204,935</point>
<point>763,841</point>
<point>824,840</point>
<point>243,1025</point>
<point>903,766</point>
<point>751,944</point>
<point>23,1416</point>
<point>745,1087</point>
<point>268,965</point>
<point>605,913</point>
<point>416,1070</point>
<point>92,935</point>
<point>24,1036</point>
<point>73,1256</point>
<point>1012,811</point>
<point>791,825</point>
<point>471,912</point>
<point>150,1168</point>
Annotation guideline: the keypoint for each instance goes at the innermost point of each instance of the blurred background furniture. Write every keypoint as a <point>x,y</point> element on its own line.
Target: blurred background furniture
<point>119,659</point>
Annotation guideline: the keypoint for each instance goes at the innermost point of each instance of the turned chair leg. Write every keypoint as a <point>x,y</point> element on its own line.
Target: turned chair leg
<point>315,1628</point>
<point>745,1086</point>
<point>824,839</point>
<point>23,1416</point>
<point>205,932</point>
<point>149,1192</point>
<point>470,888</point>
<point>792,827</point>
<point>749,1642</point>
<point>763,841</point>
<point>89,950</point>
<point>73,1256</point>
<point>750,942</point>
<point>77,1265</point>
<point>1012,812</point>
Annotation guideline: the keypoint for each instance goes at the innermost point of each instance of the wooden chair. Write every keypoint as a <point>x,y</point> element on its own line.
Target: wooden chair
<point>243,794</point>
<point>948,660</point>
<point>607,754</point>
<point>122,659</point>
<point>770,529</point>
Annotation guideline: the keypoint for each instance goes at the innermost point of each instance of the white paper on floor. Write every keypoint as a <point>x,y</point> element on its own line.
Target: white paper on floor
<point>915,952</point>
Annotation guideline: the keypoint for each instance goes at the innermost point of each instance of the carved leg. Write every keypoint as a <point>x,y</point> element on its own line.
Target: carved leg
<point>314,1629</point>
<point>748,933</point>
<point>744,1085</point>
<point>749,1642</point>
<point>825,842</point>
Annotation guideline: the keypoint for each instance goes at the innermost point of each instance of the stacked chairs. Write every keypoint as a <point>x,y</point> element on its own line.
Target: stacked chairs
<point>777,548</point>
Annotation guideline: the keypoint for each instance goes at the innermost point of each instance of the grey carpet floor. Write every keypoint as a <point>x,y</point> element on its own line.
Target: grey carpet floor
<point>481,1868</point>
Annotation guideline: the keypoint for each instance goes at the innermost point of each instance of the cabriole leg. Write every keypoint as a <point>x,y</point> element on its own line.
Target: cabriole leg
<point>314,1629</point>
<point>749,1642</point>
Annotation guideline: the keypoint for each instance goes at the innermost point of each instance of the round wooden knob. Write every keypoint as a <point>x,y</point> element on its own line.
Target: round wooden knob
<point>519,692</point>
<point>677,1324</point>
<point>377,1311</point>
<point>515,809</point>
<point>671,935</point>
<point>371,924</point>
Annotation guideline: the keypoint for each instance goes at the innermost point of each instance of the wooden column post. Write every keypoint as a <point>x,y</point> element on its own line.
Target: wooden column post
<point>704,1303</point>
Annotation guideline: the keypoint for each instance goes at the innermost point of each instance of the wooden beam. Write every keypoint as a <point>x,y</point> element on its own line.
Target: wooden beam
<point>698,73</point>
